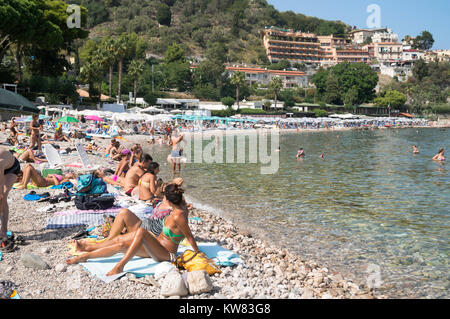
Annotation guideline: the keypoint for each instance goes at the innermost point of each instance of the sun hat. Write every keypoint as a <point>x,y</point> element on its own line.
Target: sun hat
<point>126,151</point>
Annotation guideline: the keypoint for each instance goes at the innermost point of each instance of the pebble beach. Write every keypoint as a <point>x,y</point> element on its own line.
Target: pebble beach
<point>268,271</point>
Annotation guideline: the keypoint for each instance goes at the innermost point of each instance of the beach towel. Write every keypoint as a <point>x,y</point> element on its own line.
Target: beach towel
<point>91,217</point>
<point>30,186</point>
<point>142,267</point>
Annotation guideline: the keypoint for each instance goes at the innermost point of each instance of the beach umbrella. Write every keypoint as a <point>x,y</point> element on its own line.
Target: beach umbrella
<point>41,117</point>
<point>93,118</point>
<point>16,102</point>
<point>68,119</point>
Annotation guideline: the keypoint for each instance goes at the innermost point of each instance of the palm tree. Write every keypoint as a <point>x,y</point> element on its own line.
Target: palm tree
<point>276,85</point>
<point>90,74</point>
<point>238,79</point>
<point>101,62</point>
<point>108,49</point>
<point>135,69</point>
<point>120,51</point>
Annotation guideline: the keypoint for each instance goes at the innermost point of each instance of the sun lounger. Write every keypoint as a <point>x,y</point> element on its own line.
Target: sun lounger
<point>52,155</point>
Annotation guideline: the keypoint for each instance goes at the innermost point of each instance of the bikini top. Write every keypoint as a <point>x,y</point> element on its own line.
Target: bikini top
<point>167,232</point>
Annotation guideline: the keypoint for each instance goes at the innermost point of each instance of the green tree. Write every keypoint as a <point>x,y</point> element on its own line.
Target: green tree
<point>420,70</point>
<point>120,52</point>
<point>332,92</point>
<point>108,50</point>
<point>151,98</point>
<point>238,79</point>
<point>392,99</point>
<point>424,41</point>
<point>136,69</point>
<point>174,53</point>
<point>351,97</point>
<point>228,101</point>
<point>90,74</point>
<point>276,84</point>
<point>163,14</point>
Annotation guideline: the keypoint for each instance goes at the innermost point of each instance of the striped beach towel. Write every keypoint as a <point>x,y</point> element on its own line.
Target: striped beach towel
<point>69,219</point>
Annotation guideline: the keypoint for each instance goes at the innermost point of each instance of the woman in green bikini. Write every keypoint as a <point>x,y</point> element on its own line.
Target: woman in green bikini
<point>142,242</point>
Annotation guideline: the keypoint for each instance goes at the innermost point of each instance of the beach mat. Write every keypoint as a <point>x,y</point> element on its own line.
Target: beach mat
<point>142,267</point>
<point>69,219</point>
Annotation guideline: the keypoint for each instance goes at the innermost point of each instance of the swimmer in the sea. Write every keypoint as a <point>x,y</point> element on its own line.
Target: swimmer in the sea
<point>439,156</point>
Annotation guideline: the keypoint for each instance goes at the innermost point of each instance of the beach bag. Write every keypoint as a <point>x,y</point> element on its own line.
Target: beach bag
<point>192,261</point>
<point>88,184</point>
<point>94,203</point>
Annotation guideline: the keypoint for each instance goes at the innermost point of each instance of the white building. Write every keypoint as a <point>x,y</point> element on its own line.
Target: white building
<point>412,55</point>
<point>261,76</point>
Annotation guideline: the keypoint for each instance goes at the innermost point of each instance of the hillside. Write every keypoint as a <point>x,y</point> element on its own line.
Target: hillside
<point>193,23</point>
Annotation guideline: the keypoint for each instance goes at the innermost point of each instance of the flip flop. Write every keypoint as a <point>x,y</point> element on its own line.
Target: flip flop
<point>7,246</point>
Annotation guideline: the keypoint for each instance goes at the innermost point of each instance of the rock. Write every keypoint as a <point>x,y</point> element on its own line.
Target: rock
<point>219,296</point>
<point>199,282</point>
<point>173,285</point>
<point>162,269</point>
<point>61,268</point>
<point>45,250</point>
<point>34,262</point>
<point>308,293</point>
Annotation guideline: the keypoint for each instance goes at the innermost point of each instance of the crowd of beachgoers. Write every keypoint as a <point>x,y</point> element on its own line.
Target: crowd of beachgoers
<point>40,261</point>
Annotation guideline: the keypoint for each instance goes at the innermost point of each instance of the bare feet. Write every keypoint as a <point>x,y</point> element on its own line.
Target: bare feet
<point>116,270</point>
<point>75,260</point>
<point>80,245</point>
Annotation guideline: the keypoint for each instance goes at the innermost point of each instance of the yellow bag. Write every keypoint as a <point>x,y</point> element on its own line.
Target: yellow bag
<point>192,261</point>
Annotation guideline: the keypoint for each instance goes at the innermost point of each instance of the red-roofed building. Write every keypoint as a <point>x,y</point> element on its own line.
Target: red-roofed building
<point>263,76</point>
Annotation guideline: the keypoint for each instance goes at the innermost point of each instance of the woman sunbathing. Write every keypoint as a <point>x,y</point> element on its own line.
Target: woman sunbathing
<point>59,135</point>
<point>149,186</point>
<point>30,173</point>
<point>28,157</point>
<point>143,243</point>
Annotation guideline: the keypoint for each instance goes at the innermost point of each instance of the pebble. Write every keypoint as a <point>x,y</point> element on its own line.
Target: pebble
<point>270,272</point>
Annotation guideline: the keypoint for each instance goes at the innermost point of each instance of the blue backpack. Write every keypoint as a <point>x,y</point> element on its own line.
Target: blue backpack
<point>88,184</point>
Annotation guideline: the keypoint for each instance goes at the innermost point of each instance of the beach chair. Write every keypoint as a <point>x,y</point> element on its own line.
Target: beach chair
<point>84,157</point>
<point>52,155</point>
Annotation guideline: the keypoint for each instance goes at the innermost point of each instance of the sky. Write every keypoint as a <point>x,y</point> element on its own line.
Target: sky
<point>404,17</point>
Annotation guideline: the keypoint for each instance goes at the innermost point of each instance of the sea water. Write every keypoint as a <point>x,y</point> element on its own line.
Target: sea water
<point>368,205</point>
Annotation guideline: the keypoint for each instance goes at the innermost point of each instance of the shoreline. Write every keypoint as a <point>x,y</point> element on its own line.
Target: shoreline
<point>269,272</point>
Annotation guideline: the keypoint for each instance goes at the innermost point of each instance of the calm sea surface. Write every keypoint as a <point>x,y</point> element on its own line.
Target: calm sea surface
<point>368,203</point>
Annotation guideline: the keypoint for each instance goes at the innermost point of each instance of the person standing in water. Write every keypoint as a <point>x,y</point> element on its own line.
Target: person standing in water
<point>175,156</point>
<point>300,153</point>
<point>415,149</point>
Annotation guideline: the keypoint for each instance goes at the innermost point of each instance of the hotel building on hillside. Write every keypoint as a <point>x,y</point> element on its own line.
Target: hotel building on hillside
<point>285,44</point>
<point>388,51</point>
<point>359,36</point>
<point>261,76</point>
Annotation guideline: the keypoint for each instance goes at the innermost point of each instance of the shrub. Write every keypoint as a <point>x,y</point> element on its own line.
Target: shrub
<point>228,101</point>
<point>320,113</point>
